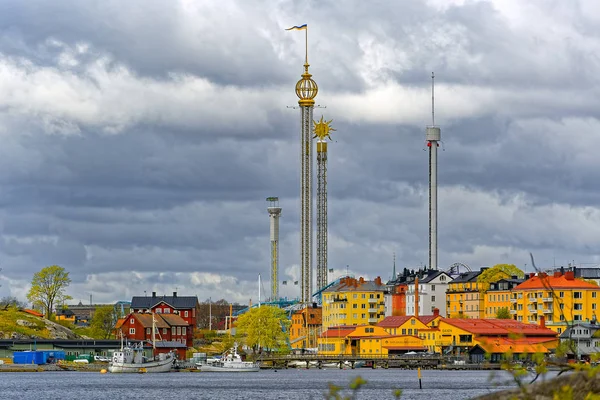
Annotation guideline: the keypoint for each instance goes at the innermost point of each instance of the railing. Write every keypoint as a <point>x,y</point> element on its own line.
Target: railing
<point>513,311</point>
<point>373,300</point>
<point>373,320</point>
<point>548,299</point>
<point>548,311</point>
<point>373,310</point>
<point>513,300</point>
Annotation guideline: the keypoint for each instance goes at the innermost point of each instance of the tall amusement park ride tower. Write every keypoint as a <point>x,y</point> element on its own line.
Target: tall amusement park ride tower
<point>306,90</point>
<point>274,213</point>
<point>433,135</point>
<point>322,130</point>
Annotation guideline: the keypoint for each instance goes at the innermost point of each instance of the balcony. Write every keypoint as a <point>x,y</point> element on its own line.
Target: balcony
<point>512,312</point>
<point>548,299</point>
<point>373,320</point>
<point>513,300</point>
<point>548,311</point>
<point>337,299</point>
<point>373,300</point>
<point>373,310</point>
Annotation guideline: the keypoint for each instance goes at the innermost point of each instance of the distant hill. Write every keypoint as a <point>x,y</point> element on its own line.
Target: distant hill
<point>16,324</point>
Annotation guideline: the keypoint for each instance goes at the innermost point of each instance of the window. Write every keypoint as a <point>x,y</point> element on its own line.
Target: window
<point>132,321</point>
<point>173,330</point>
<point>371,296</point>
<point>433,288</point>
<point>432,298</point>
<point>148,331</point>
<point>403,331</point>
<point>576,317</point>
<point>576,295</point>
<point>159,310</point>
<point>354,316</point>
<point>164,331</point>
<point>561,294</point>
<point>167,310</point>
<point>132,331</point>
<point>594,295</point>
<point>363,306</point>
<point>354,296</point>
<point>183,330</point>
<point>354,305</point>
<point>364,296</point>
<point>577,306</point>
<point>363,315</point>
<point>186,313</point>
<point>562,306</point>
<point>593,306</point>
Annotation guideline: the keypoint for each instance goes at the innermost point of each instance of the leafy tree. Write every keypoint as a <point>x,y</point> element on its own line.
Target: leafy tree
<point>103,322</point>
<point>503,313</point>
<point>48,288</point>
<point>262,327</point>
<point>498,272</point>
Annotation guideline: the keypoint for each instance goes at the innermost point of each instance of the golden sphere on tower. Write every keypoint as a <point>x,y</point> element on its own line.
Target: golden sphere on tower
<point>306,89</point>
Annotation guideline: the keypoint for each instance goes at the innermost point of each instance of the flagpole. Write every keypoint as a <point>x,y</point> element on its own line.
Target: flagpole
<point>306,44</point>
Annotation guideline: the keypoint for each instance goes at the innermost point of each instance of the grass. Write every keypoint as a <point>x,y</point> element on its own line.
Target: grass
<point>8,324</point>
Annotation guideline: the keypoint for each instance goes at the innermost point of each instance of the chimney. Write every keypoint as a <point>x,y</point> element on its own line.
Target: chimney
<point>153,294</point>
<point>378,281</point>
<point>531,274</point>
<point>557,274</point>
<point>417,296</point>
<point>174,294</point>
<point>569,275</point>
<point>361,280</point>
<point>436,312</point>
<point>542,321</point>
<point>562,270</point>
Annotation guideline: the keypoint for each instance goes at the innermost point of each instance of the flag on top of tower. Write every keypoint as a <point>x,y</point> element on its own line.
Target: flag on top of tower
<point>297,28</point>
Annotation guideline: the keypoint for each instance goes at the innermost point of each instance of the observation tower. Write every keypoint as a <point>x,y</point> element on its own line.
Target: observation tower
<point>274,214</point>
<point>433,135</point>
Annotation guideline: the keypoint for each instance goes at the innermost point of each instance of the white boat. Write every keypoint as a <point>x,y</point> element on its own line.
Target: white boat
<point>130,358</point>
<point>230,362</point>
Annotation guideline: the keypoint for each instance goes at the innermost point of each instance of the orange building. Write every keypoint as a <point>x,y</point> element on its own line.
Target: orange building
<point>398,299</point>
<point>299,339</point>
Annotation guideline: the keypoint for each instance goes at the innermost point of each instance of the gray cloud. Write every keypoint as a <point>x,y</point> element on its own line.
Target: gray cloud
<point>138,147</point>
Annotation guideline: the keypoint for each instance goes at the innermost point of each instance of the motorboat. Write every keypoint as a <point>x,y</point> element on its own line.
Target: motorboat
<point>130,358</point>
<point>231,361</point>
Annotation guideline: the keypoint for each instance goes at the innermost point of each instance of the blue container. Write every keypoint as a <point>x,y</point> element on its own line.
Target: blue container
<point>38,356</point>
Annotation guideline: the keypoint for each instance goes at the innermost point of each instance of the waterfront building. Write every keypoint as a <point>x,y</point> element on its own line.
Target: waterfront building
<point>353,301</point>
<point>498,297</point>
<point>366,341</point>
<point>305,327</point>
<point>560,298</point>
<point>186,307</point>
<point>465,296</point>
<point>431,293</point>
<point>169,328</point>
<point>477,337</point>
<point>583,340</point>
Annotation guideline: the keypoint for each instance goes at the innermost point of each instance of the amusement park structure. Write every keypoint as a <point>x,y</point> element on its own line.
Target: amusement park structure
<point>274,214</point>
<point>322,130</point>
<point>306,90</point>
<point>433,135</point>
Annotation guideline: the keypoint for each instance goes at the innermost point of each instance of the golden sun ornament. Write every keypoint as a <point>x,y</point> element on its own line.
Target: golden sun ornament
<point>322,129</point>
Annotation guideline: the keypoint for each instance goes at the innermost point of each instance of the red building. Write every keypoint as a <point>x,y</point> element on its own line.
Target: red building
<point>171,329</point>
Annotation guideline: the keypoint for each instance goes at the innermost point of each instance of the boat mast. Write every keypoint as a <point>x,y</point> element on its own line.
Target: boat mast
<point>153,334</point>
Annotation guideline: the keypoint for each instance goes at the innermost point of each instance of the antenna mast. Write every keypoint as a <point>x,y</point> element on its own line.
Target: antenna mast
<point>433,135</point>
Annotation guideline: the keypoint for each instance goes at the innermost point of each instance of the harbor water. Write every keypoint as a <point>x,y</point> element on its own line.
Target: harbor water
<point>267,384</point>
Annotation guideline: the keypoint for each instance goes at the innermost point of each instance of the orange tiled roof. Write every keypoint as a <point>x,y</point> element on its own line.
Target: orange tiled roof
<point>119,323</point>
<point>33,312</point>
<point>557,281</point>
<point>394,321</point>
<point>500,327</point>
<point>427,318</point>
<point>523,345</point>
<point>338,331</point>
<point>173,319</point>
<point>417,348</point>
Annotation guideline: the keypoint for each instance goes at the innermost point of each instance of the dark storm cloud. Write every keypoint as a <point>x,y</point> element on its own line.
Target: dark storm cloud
<point>143,138</point>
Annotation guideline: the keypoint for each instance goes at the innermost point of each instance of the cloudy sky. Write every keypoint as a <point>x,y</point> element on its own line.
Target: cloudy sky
<point>139,139</point>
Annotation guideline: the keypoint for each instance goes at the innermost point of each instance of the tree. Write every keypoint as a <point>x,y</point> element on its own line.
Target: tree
<point>103,322</point>
<point>262,327</point>
<point>503,313</point>
<point>48,288</point>
<point>498,272</point>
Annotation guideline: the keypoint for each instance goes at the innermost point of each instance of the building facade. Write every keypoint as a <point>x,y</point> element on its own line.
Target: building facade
<point>498,297</point>
<point>305,327</point>
<point>353,302</point>
<point>431,294</point>
<point>561,299</point>
<point>168,328</point>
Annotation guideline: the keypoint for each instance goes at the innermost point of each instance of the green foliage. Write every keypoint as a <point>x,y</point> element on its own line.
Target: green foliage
<point>8,324</point>
<point>263,327</point>
<point>103,322</point>
<point>48,288</point>
<point>503,313</point>
<point>498,272</point>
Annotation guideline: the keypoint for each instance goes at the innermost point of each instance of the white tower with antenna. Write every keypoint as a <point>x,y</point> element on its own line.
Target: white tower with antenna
<point>274,214</point>
<point>433,135</point>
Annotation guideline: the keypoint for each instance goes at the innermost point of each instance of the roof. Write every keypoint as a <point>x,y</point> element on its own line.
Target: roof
<point>470,276</point>
<point>349,284</point>
<point>431,275</point>
<point>418,348</point>
<point>428,318</point>
<point>544,281</point>
<point>338,331</point>
<point>499,327</point>
<point>394,321</point>
<point>32,312</point>
<point>592,327</point>
<point>173,319</point>
<point>519,346</point>
<point>178,302</point>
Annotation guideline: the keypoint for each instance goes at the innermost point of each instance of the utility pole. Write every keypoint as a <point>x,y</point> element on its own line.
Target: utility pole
<point>210,313</point>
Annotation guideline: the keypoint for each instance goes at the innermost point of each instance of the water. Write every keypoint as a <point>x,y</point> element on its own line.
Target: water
<point>266,384</point>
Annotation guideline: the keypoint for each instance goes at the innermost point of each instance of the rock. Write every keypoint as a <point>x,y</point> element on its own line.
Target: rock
<point>59,332</point>
<point>25,323</point>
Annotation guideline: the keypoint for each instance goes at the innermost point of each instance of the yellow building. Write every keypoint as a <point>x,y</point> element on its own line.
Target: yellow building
<point>498,297</point>
<point>301,325</point>
<point>557,300</point>
<point>424,327</point>
<point>64,314</point>
<point>353,302</point>
<point>465,297</point>
<point>366,341</point>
